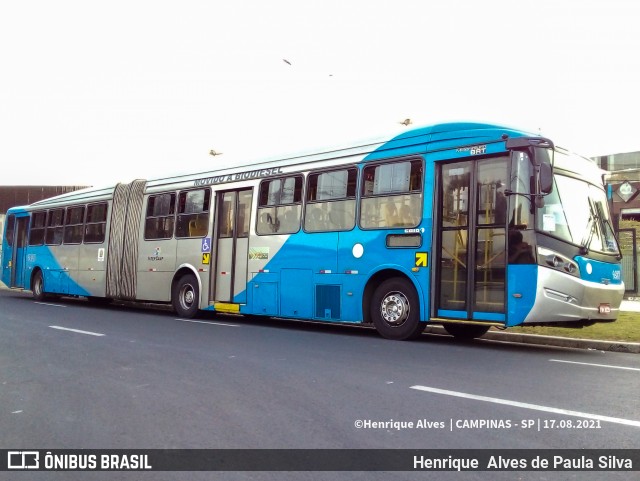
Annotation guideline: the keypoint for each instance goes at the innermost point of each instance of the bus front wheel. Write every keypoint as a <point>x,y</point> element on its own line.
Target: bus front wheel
<point>465,331</point>
<point>395,310</point>
<point>185,296</point>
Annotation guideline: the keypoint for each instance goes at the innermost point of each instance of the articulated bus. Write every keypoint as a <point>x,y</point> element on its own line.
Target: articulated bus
<point>466,225</point>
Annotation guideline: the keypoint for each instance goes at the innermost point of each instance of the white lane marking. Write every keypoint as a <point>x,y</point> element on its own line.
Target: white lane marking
<point>49,304</point>
<point>536,407</point>
<point>208,322</point>
<point>16,412</point>
<point>76,330</point>
<point>597,365</point>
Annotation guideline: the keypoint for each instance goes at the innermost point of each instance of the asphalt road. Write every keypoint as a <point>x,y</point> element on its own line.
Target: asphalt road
<point>77,376</point>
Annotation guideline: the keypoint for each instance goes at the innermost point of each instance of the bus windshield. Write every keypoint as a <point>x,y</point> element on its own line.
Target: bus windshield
<point>577,212</point>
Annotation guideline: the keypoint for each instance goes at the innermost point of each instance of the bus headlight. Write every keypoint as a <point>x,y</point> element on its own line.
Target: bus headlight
<point>549,258</point>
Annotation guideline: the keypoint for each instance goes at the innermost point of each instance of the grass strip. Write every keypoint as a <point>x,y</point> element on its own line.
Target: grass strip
<point>626,329</point>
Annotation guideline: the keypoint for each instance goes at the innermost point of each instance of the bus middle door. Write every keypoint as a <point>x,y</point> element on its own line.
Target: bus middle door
<point>232,246</point>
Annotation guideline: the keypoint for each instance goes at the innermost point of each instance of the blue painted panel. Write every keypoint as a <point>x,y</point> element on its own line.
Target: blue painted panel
<point>265,298</point>
<point>296,293</point>
<point>599,270</point>
<point>522,280</point>
<point>488,316</point>
<point>327,302</point>
<point>56,279</point>
<point>452,314</point>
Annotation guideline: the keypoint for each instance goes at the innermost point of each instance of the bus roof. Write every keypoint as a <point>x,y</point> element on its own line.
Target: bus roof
<point>438,135</point>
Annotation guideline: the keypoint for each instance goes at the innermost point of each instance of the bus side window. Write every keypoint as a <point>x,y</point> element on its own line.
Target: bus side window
<point>36,233</point>
<point>55,225</point>
<point>391,214</point>
<point>291,219</point>
<point>73,225</point>
<point>193,213</point>
<point>160,216</point>
<point>392,195</point>
<point>279,206</point>
<point>314,220</point>
<point>331,198</point>
<point>96,223</point>
<point>266,222</point>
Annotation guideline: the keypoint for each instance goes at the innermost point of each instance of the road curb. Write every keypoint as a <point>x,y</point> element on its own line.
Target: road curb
<point>614,346</point>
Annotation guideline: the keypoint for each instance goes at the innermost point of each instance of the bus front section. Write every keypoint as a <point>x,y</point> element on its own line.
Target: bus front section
<point>564,260</point>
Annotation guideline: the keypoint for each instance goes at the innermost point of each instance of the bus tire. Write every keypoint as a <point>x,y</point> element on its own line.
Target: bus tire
<point>395,310</point>
<point>185,296</point>
<point>37,286</point>
<point>465,331</point>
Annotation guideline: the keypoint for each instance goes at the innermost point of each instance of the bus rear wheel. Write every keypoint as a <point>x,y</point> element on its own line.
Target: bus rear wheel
<point>185,296</point>
<point>37,287</point>
<point>465,331</point>
<point>395,310</point>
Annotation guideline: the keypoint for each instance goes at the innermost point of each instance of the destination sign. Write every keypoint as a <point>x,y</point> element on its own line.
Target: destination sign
<point>250,174</point>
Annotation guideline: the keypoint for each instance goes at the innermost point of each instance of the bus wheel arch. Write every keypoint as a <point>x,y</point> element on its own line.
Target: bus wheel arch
<point>392,304</point>
<point>185,293</point>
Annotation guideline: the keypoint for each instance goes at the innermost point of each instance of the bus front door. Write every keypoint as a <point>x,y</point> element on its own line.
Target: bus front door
<point>470,250</point>
<point>232,246</point>
<point>14,257</point>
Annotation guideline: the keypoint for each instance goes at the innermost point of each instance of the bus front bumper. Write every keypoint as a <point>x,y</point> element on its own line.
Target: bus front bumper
<point>562,298</point>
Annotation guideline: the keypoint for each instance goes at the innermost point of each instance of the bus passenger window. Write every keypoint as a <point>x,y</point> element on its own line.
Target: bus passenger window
<point>267,221</point>
<point>55,222</point>
<point>291,219</point>
<point>160,216</point>
<point>36,233</point>
<point>391,214</point>
<point>279,206</point>
<point>406,215</point>
<point>96,223</point>
<point>193,213</point>
<point>331,201</point>
<point>73,227</point>
<point>315,220</point>
<point>198,226</point>
<point>392,195</point>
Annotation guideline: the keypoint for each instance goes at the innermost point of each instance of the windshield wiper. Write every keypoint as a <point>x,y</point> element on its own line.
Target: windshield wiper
<point>608,236</point>
<point>591,227</point>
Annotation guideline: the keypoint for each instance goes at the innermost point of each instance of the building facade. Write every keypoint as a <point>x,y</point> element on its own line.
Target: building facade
<point>623,182</point>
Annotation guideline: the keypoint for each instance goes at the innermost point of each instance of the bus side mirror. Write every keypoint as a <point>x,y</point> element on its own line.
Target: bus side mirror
<point>546,178</point>
<point>540,152</point>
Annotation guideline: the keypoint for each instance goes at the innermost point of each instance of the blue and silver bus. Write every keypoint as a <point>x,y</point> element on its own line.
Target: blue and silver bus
<point>466,225</point>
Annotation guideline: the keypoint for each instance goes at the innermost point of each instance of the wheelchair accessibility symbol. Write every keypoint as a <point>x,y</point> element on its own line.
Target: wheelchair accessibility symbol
<point>206,244</point>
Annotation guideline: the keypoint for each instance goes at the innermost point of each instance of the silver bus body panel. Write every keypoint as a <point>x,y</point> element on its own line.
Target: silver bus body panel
<point>561,297</point>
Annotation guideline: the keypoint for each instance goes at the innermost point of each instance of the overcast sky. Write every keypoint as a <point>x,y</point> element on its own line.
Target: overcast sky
<point>92,93</point>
